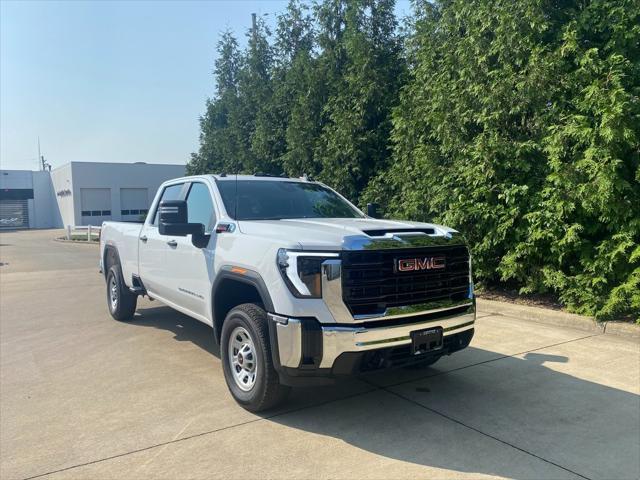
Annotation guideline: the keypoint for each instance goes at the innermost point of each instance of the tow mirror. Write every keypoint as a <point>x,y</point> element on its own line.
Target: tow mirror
<point>372,210</point>
<point>174,220</point>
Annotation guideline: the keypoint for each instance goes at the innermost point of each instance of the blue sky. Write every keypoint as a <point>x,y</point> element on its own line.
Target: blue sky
<point>111,81</point>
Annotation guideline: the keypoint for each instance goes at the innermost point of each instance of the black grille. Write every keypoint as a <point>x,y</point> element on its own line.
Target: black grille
<point>370,283</point>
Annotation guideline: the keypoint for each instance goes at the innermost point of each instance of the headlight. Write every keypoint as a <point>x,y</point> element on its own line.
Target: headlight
<point>302,271</point>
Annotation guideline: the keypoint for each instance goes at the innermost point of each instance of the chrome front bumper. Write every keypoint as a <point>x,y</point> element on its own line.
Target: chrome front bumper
<point>338,339</point>
<point>351,334</point>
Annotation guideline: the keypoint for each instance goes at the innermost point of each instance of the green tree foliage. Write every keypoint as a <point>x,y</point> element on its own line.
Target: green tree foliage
<point>298,96</point>
<point>220,137</point>
<point>364,63</point>
<point>516,122</point>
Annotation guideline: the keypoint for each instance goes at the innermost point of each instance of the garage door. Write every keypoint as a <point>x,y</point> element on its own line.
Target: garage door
<point>134,203</point>
<point>96,205</point>
<point>14,214</point>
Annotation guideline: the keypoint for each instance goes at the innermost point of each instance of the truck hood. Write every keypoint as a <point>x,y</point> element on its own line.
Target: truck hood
<point>329,233</point>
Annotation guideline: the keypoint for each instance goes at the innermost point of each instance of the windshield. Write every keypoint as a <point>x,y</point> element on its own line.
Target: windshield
<point>277,200</point>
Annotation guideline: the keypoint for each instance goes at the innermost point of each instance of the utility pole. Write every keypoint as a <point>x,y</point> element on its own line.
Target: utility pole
<point>42,164</point>
<point>254,30</point>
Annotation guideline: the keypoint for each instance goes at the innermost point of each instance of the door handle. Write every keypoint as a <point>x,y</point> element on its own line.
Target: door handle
<point>172,243</point>
<point>143,239</point>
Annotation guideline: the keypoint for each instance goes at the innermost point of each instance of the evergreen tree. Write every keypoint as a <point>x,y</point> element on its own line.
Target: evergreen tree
<point>363,62</point>
<point>219,140</point>
<point>258,151</point>
<point>517,123</point>
<point>296,99</point>
<point>520,127</point>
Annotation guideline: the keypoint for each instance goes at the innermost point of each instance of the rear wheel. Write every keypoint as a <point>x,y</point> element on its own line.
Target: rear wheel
<point>246,359</point>
<point>120,300</point>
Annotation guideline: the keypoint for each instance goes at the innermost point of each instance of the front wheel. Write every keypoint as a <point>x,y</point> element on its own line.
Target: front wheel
<point>246,359</point>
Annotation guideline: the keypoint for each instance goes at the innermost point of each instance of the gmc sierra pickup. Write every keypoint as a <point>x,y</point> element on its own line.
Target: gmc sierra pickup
<point>298,285</point>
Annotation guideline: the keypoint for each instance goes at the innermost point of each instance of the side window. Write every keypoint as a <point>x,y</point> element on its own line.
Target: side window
<point>172,192</point>
<point>200,206</point>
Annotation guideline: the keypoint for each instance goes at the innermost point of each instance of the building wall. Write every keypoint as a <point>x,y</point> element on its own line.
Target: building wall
<point>115,177</point>
<point>102,191</point>
<point>45,208</point>
<point>15,179</point>
<point>61,179</point>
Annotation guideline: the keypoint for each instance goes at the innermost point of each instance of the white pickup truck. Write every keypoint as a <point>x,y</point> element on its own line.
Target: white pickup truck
<point>298,285</point>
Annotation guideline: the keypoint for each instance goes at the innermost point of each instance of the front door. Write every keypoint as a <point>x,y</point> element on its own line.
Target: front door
<point>192,267</point>
<point>153,247</point>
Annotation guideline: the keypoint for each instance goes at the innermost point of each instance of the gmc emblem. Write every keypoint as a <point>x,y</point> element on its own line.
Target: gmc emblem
<point>419,264</point>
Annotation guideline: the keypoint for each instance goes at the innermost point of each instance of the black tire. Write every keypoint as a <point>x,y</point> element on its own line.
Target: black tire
<point>266,391</point>
<point>120,301</point>
<point>423,364</point>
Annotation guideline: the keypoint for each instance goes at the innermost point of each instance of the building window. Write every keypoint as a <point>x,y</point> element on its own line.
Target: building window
<point>142,211</point>
<point>106,212</point>
<point>86,213</point>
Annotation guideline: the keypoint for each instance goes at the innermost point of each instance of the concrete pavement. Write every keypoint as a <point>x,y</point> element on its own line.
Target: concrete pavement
<point>84,396</point>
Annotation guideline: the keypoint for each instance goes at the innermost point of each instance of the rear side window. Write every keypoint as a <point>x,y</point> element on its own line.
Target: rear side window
<point>172,192</point>
<point>200,206</point>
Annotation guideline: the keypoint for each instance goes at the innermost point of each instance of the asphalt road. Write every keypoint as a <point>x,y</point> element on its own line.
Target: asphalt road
<point>84,396</point>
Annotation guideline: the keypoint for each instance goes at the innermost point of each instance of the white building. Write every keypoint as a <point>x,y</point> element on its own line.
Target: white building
<point>80,193</point>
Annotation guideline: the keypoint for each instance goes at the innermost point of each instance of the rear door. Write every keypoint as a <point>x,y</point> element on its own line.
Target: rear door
<point>153,247</point>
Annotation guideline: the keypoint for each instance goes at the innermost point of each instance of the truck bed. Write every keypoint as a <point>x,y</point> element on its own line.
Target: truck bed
<point>125,237</point>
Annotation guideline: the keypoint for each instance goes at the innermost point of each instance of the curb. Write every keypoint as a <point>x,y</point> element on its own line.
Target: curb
<point>82,242</point>
<point>623,329</point>
<point>556,317</point>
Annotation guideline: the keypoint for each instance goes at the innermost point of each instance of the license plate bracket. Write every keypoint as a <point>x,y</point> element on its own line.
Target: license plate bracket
<point>427,340</point>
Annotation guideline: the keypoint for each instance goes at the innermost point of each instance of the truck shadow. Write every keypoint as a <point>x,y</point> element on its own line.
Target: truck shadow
<point>477,412</point>
<point>184,328</point>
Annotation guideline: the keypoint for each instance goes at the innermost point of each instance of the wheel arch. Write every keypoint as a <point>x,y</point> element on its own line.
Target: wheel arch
<point>110,257</point>
<point>233,287</point>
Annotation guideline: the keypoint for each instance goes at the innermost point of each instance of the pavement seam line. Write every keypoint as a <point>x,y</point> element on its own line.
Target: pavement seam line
<point>202,434</point>
<point>374,389</point>
<point>387,387</point>
<point>501,357</point>
<point>504,442</point>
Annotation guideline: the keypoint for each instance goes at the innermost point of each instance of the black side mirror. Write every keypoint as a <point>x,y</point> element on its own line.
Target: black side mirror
<point>174,220</point>
<point>372,210</point>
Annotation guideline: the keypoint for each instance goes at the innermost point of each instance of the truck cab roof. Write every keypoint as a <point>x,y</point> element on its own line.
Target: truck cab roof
<point>259,176</point>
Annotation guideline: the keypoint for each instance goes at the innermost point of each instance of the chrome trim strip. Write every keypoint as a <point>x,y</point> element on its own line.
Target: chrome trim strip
<point>413,310</point>
<point>332,291</point>
<point>403,240</point>
<point>464,326</point>
<point>278,318</point>
<point>339,339</point>
<point>289,341</point>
